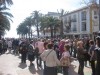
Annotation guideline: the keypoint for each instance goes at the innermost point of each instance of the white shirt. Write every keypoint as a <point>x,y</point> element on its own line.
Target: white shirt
<point>9,43</point>
<point>51,59</point>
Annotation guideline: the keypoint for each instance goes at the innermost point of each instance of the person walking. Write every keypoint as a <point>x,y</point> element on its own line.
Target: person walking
<point>61,47</point>
<point>1,47</point>
<point>31,55</point>
<point>9,45</point>
<point>23,51</point>
<point>97,50</point>
<point>92,56</point>
<point>51,60</point>
<point>80,57</point>
<point>87,46</point>
<point>75,48</point>
<point>4,46</point>
<point>65,59</point>
<point>40,47</point>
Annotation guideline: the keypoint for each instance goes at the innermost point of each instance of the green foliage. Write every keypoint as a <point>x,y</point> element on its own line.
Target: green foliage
<point>5,18</point>
<point>6,2</point>
<point>40,22</point>
<point>49,22</point>
<point>36,16</point>
<point>22,29</point>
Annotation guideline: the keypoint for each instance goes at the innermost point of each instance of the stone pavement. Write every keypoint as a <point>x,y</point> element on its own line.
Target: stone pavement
<point>10,65</point>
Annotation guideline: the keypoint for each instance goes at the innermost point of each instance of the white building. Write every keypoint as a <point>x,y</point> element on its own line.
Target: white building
<point>54,14</point>
<point>81,22</point>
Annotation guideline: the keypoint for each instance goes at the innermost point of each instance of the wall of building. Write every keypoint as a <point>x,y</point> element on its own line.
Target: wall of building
<point>92,24</point>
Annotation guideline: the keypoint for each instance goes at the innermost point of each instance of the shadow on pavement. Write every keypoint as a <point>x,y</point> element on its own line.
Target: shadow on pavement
<point>1,73</point>
<point>9,52</point>
<point>32,69</point>
<point>72,70</point>
<point>22,65</point>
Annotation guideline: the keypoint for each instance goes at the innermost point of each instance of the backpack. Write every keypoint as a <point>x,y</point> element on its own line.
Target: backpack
<point>30,50</point>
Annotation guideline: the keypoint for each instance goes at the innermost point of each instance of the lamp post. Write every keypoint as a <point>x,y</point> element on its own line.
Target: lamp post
<point>99,15</point>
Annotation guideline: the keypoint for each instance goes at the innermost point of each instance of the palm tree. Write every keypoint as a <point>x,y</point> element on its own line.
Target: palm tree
<point>5,18</point>
<point>62,12</point>
<point>29,25</point>
<point>43,24</point>
<point>56,26</point>
<point>36,17</point>
<point>6,2</point>
<point>49,22</point>
<point>26,27</point>
<point>22,30</point>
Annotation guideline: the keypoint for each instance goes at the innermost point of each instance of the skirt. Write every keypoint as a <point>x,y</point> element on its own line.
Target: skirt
<point>31,57</point>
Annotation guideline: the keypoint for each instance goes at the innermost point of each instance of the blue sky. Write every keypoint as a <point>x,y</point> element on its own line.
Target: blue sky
<point>22,8</point>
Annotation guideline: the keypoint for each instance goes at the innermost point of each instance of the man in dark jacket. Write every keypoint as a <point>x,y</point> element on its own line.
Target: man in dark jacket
<point>23,51</point>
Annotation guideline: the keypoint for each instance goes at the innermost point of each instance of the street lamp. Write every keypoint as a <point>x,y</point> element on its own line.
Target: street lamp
<point>99,15</point>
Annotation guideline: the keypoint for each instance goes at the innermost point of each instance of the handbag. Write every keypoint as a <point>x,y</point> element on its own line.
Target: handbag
<point>65,61</point>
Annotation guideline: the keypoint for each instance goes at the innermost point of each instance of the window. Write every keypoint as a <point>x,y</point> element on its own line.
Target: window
<point>65,20</point>
<point>83,15</point>
<point>74,18</point>
<point>74,27</point>
<point>83,26</point>
<point>95,15</point>
<point>95,12</point>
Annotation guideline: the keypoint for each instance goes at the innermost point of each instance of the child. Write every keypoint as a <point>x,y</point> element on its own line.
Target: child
<point>65,59</point>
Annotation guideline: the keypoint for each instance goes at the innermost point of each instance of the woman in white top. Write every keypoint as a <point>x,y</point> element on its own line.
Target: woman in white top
<point>51,61</point>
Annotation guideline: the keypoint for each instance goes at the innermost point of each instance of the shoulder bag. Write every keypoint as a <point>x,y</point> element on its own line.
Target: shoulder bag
<point>44,59</point>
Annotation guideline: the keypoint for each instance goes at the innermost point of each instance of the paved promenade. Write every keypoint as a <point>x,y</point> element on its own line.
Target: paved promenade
<point>10,65</point>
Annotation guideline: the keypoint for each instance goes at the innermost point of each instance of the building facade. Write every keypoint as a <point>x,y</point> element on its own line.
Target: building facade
<point>82,22</point>
<point>54,15</point>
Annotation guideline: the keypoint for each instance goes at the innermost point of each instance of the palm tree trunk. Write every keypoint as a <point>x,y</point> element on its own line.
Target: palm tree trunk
<point>21,35</point>
<point>38,31</point>
<point>51,29</point>
<point>31,33</point>
<point>44,32</point>
<point>0,36</point>
<point>26,35</point>
<point>54,31</point>
<point>61,30</point>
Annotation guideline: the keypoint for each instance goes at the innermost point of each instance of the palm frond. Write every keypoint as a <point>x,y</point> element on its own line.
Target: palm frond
<point>6,2</point>
<point>7,14</point>
<point>2,8</point>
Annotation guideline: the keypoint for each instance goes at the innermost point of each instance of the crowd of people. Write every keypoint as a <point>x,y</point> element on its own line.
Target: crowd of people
<point>56,52</point>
